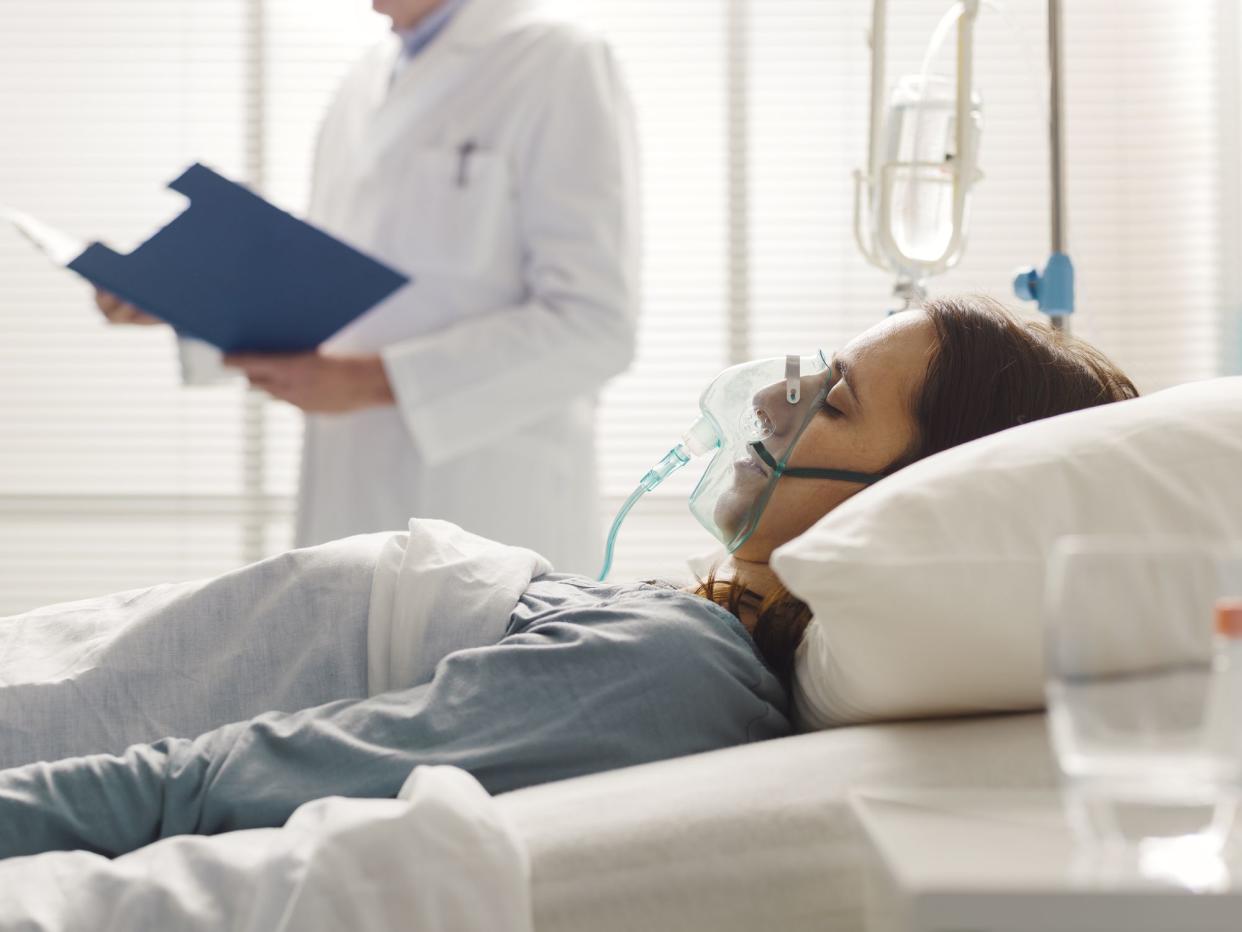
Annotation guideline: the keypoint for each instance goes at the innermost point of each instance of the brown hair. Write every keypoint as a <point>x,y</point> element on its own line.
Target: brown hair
<point>991,370</point>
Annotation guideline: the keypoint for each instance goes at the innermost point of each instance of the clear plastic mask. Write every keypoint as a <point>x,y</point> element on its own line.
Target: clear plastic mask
<point>753,416</point>
<point>757,412</point>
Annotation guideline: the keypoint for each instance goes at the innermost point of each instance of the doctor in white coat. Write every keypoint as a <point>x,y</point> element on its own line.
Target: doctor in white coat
<point>488,151</point>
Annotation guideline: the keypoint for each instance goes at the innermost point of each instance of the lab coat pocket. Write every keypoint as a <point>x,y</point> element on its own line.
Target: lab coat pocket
<point>462,219</point>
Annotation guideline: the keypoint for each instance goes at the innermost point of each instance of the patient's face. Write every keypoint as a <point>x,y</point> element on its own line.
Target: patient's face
<point>866,423</point>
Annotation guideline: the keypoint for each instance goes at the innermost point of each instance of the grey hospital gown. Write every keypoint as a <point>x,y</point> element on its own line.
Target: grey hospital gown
<point>587,677</point>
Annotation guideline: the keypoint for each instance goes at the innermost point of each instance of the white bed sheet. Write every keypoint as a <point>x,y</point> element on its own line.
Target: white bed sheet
<point>754,837</point>
<point>440,858</point>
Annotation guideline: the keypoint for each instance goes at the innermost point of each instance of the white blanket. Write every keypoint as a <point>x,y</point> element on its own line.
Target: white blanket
<point>285,633</point>
<point>99,675</point>
<point>438,589</point>
<point>439,858</point>
<point>350,618</point>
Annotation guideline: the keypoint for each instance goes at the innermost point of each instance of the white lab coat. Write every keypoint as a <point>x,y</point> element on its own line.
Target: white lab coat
<point>525,292</point>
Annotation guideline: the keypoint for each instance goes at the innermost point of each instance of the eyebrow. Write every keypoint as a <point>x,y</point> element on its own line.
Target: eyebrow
<point>843,372</point>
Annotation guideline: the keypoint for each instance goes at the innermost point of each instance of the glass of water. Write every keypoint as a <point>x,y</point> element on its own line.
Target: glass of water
<point>1143,654</point>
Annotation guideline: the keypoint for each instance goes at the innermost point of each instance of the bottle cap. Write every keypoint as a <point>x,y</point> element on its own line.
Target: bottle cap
<point>1229,617</point>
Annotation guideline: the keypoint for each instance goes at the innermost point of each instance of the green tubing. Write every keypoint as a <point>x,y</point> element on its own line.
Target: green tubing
<point>616,526</point>
<point>673,460</point>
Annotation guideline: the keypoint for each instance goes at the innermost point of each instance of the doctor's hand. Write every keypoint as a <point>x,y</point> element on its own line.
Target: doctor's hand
<point>315,382</point>
<point>121,312</point>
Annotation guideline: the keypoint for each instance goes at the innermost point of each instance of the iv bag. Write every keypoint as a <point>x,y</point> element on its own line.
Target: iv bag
<point>920,156</point>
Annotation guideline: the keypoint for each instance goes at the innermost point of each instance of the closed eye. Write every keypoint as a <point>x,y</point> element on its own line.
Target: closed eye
<point>833,412</point>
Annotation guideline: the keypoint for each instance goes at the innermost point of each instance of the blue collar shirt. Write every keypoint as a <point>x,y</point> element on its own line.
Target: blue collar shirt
<point>417,38</point>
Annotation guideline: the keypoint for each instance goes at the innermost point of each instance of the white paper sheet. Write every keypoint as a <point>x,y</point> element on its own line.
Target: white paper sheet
<point>57,245</point>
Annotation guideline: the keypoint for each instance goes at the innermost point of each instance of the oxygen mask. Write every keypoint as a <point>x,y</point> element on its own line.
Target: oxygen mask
<point>752,416</point>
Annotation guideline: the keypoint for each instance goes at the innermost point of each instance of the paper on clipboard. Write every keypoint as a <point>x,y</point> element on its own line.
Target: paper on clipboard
<point>56,244</point>
<point>200,362</point>
<point>232,270</point>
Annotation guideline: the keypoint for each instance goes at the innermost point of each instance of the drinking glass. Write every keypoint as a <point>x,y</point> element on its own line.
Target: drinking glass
<point>1144,687</point>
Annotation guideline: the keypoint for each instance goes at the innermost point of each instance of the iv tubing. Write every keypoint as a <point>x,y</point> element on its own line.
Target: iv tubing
<point>879,43</point>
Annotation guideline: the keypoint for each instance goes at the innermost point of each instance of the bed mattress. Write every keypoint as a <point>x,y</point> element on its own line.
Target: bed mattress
<point>753,837</point>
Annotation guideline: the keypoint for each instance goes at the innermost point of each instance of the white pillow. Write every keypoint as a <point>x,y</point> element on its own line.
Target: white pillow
<point>927,588</point>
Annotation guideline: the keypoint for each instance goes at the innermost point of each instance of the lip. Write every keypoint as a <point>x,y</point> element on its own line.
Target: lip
<point>751,463</point>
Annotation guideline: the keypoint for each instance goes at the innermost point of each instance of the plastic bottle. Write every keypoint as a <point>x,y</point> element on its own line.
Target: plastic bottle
<point>1225,714</point>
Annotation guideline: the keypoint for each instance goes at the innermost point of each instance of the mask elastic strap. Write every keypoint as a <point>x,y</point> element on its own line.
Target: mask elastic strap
<point>793,366</point>
<point>842,475</point>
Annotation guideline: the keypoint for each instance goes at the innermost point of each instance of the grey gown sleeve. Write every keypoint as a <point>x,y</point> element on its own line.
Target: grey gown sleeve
<point>544,704</point>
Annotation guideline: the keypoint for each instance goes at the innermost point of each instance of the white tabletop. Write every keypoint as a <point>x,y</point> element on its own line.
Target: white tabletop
<point>989,861</point>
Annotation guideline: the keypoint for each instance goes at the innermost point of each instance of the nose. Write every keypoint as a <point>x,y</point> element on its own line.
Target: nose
<point>773,407</point>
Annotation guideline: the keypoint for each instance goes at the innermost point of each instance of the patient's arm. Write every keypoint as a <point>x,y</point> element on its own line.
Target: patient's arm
<point>254,774</point>
<point>246,775</point>
<point>551,702</point>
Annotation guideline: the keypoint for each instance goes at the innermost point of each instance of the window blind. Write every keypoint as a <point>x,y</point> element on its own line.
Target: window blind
<point>110,475</point>
<point>752,118</point>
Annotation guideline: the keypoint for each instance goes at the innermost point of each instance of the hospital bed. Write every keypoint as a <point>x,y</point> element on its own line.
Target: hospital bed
<point>753,837</point>
<point>931,586</point>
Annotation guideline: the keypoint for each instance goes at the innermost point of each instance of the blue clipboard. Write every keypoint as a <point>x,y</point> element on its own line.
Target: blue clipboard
<point>241,274</point>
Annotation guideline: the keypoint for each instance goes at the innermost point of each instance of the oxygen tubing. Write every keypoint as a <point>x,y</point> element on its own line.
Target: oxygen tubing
<point>673,460</point>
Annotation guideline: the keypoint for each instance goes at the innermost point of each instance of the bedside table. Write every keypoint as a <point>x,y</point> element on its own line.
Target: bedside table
<point>993,861</point>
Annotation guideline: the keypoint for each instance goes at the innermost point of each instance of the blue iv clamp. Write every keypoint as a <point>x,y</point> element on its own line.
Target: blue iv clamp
<point>1053,289</point>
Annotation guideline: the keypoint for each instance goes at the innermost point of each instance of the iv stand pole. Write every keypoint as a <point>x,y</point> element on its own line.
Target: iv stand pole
<point>1054,287</point>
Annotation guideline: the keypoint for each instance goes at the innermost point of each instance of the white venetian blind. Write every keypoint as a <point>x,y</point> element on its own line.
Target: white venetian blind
<point>752,116</point>
<point>110,476</point>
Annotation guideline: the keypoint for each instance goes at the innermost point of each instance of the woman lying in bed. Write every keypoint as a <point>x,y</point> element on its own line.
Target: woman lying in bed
<point>338,669</point>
